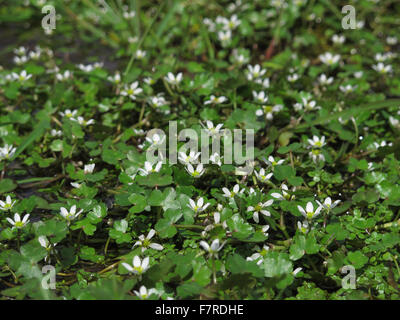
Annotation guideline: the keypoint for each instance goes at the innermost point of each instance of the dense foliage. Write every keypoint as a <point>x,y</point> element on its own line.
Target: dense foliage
<point>79,194</point>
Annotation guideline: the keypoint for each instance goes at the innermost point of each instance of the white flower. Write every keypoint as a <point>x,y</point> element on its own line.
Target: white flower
<point>76,185</point>
<point>264,82</point>
<point>303,227</point>
<point>347,88</point>
<point>293,77</point>
<point>269,111</point>
<point>20,51</point>
<point>88,168</point>
<point>68,113</point>
<point>232,23</point>
<point>260,97</point>
<point>382,69</point>
<point>324,80</point>
<point>259,256</point>
<point>63,76</point>
<point>190,158</point>
<point>148,168</point>
<point>215,100</point>
<point>391,41</point>
<point>115,79</point>
<point>338,39</point>
<point>231,194</point>
<point>144,242</point>
<point>309,212</point>
<point>23,76</point>
<point>260,208</point>
<point>255,72</point>
<point>225,37</point>
<point>285,195</point>
<point>316,155</point>
<point>216,159</point>
<point>17,223</point>
<point>71,215</point>
<point>262,176</point>
<point>155,140</point>
<point>7,152</point>
<point>394,122</point>
<point>20,60</point>
<point>45,243</point>
<point>329,59</point>
<point>272,162</point>
<point>83,122</point>
<point>132,90</point>
<point>358,74</point>
<point>379,57</point>
<point>8,204</point>
<point>195,173</point>
<point>214,248</point>
<point>157,101</point>
<point>138,266</point>
<point>143,293</point>
<point>174,80</point>
<point>328,205</point>
<point>211,130</point>
<point>309,104</point>
<point>317,142</point>
<point>129,14</point>
<point>199,206</point>
<point>140,54</point>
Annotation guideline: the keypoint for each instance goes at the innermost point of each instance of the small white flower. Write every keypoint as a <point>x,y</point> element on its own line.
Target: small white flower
<point>132,90</point>
<point>145,243</point>
<point>174,80</point>
<point>293,77</point>
<point>260,208</point>
<point>382,69</point>
<point>285,195</point>
<point>149,81</point>
<point>324,80</point>
<point>329,59</point>
<point>215,100</point>
<point>148,168</point>
<point>316,155</point>
<point>262,176</point>
<point>269,111</point>
<point>195,173</point>
<point>138,266</point>
<point>296,271</point>
<point>143,293</point>
<point>255,72</point>
<point>23,76</point>
<point>7,152</point>
<point>347,88</point>
<point>129,14</point>
<point>214,248</point>
<point>155,140</point>
<point>63,76</point>
<point>328,205</point>
<point>116,79</point>
<point>338,39</point>
<point>271,161</point>
<point>88,168</point>
<point>358,74</point>
<point>216,159</point>
<point>190,158</point>
<point>71,215</point>
<point>309,212</point>
<point>199,206</point>
<point>211,130</point>
<point>303,227</point>
<point>5,206</point>
<point>76,185</point>
<point>68,113</point>
<point>157,101</point>
<point>391,41</point>
<point>317,142</point>
<point>83,122</point>
<point>232,23</point>
<point>140,54</point>
<point>20,60</point>
<point>231,194</point>
<point>225,37</point>
<point>17,223</point>
<point>260,97</point>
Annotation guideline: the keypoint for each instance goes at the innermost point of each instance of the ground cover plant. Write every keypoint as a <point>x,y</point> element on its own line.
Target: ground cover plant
<point>85,214</point>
